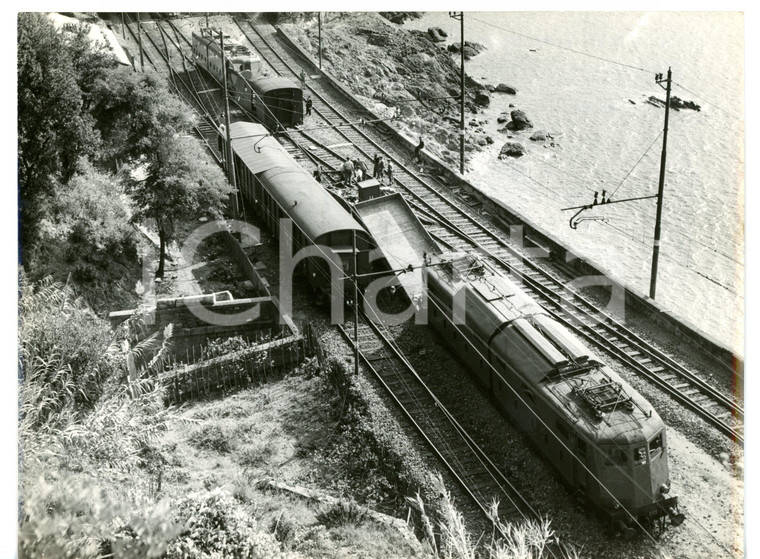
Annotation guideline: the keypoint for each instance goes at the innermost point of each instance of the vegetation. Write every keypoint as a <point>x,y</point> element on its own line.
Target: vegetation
<point>181,183</point>
<point>87,129</point>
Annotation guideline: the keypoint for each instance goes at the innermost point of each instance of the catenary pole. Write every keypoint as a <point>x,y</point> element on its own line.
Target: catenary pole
<point>319,24</point>
<point>139,40</point>
<point>461,78</point>
<point>356,307</point>
<point>230,160</point>
<point>460,16</point>
<point>660,190</point>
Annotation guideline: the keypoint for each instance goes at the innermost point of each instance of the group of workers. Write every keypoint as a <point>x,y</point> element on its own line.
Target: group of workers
<point>355,170</point>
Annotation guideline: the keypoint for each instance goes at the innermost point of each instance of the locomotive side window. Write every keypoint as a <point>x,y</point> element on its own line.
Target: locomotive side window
<point>640,455</point>
<point>655,447</point>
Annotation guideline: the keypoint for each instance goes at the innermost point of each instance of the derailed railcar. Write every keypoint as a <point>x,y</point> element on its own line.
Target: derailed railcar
<point>277,100</point>
<point>276,186</point>
<point>604,439</point>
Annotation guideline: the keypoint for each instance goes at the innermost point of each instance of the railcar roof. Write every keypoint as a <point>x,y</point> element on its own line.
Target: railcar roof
<point>305,201</point>
<point>272,83</point>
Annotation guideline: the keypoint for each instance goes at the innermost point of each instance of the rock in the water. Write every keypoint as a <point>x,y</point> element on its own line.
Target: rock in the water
<point>501,119</point>
<point>512,149</point>
<point>519,121</point>
<point>471,49</point>
<point>489,140</point>
<point>481,140</point>
<point>482,98</point>
<point>437,35</point>
<point>511,105</point>
<point>538,136</point>
<point>490,88</point>
<point>504,88</point>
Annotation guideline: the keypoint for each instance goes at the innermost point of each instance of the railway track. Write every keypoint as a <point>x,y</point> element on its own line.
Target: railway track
<point>158,54</point>
<point>480,478</point>
<point>465,229</point>
<point>459,227</point>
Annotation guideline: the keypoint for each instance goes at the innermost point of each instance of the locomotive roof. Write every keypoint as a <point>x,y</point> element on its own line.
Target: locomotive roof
<point>305,201</point>
<point>272,83</point>
<point>546,355</point>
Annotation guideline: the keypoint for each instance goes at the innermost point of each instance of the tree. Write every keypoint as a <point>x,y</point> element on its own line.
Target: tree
<point>181,183</point>
<point>135,112</point>
<point>54,131</point>
<point>87,229</point>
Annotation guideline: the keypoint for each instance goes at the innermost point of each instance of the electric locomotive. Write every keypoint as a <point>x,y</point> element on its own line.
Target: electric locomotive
<point>605,440</point>
<point>274,100</point>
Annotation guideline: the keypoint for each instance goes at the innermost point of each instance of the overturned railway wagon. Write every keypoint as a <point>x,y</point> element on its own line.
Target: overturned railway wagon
<point>276,187</point>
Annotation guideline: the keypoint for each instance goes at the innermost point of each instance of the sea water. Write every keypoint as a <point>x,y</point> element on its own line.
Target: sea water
<point>584,78</point>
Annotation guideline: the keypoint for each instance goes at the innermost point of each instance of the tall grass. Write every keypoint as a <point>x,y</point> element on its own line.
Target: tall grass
<point>89,415</point>
<point>446,535</point>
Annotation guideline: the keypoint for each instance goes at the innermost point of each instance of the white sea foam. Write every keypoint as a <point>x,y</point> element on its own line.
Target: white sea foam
<point>600,135</point>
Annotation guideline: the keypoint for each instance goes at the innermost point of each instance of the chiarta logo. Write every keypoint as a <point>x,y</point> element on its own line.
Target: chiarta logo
<point>248,233</point>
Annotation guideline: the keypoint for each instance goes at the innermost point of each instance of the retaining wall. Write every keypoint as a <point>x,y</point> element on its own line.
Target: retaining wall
<point>534,236</point>
<point>233,370</point>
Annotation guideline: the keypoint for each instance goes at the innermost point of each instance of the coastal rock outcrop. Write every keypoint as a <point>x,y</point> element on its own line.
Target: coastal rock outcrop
<point>437,35</point>
<point>512,149</point>
<point>519,121</point>
<point>482,97</point>
<point>400,17</point>
<point>471,48</point>
<point>504,88</point>
<point>538,136</point>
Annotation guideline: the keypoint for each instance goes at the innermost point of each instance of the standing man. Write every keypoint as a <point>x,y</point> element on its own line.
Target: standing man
<point>308,106</point>
<point>389,172</point>
<point>376,168</point>
<point>362,168</point>
<point>348,172</point>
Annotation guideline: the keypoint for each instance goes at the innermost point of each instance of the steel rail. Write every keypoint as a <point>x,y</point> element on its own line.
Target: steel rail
<point>476,464</point>
<point>570,307</point>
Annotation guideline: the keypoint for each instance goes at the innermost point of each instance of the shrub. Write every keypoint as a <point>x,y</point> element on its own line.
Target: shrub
<point>344,513</point>
<point>216,526</point>
<point>211,437</point>
<point>255,454</point>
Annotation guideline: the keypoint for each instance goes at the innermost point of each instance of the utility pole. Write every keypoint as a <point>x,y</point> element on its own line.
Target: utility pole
<point>575,220</point>
<point>230,161</point>
<point>319,50</point>
<point>460,16</point>
<point>354,277</point>
<point>661,185</point>
<point>139,40</point>
<point>123,30</point>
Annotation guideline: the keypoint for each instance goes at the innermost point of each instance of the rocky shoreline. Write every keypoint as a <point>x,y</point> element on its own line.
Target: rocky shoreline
<point>415,74</point>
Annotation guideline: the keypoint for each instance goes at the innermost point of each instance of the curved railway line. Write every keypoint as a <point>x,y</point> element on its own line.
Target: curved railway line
<point>464,229</point>
<point>470,466</point>
<point>458,226</point>
<point>480,478</point>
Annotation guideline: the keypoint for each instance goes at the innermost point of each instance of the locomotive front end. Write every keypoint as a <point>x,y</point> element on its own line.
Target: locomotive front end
<point>635,471</point>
